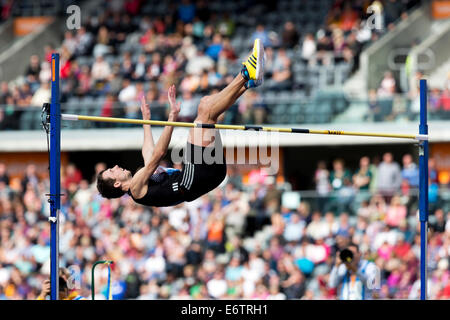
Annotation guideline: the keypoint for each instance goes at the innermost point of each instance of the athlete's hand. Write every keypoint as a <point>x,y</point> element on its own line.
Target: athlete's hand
<point>174,106</point>
<point>145,109</point>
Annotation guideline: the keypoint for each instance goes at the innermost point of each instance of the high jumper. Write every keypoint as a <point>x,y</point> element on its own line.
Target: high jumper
<point>154,185</point>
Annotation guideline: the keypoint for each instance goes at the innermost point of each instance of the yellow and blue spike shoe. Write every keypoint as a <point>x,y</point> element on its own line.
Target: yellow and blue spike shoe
<point>254,66</point>
<point>253,83</point>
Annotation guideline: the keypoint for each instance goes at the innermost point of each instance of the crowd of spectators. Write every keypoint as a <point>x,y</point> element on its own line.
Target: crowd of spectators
<point>191,46</point>
<point>239,241</point>
<point>385,105</point>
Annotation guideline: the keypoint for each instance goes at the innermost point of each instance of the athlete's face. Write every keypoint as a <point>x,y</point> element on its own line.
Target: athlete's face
<point>117,173</point>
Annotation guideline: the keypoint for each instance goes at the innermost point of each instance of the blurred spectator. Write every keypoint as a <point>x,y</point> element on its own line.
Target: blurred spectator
<point>324,49</point>
<point>338,174</point>
<point>262,34</point>
<point>281,76</point>
<point>396,213</point>
<point>69,41</point>
<point>84,42</point>
<point>387,86</point>
<point>186,11</point>
<point>362,178</point>
<point>410,171</point>
<point>374,113</point>
<point>388,176</point>
<point>199,63</point>
<point>226,25</point>
<point>215,47</point>
<point>308,47</point>
<point>188,107</point>
<point>42,95</point>
<point>33,69</point>
<point>294,286</point>
<point>290,35</point>
<point>349,17</point>
<point>294,231</point>
<point>100,69</point>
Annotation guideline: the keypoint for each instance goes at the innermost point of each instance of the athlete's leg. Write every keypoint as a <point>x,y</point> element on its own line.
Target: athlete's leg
<point>211,107</point>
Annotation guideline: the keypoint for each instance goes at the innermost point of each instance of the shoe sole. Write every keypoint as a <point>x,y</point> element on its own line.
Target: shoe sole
<point>259,66</point>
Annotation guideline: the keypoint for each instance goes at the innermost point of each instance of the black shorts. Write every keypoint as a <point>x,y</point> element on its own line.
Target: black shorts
<point>204,168</point>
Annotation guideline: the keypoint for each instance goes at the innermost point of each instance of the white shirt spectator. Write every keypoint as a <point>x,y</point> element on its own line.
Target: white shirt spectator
<point>380,238</point>
<point>197,64</point>
<point>308,48</point>
<point>217,288</point>
<point>42,95</point>
<point>295,229</point>
<point>100,69</point>
<point>128,94</point>
<point>318,230</point>
<point>155,264</point>
<point>176,218</point>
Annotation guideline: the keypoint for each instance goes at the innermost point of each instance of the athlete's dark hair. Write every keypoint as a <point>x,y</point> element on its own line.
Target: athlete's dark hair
<point>106,187</point>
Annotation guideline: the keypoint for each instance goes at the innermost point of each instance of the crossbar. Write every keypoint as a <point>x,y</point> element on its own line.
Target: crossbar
<point>74,117</point>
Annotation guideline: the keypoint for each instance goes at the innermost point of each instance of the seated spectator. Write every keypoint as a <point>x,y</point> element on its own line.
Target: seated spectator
<point>338,42</point>
<point>33,70</point>
<point>69,41</point>
<point>262,34</point>
<point>308,48</point>
<point>387,86</point>
<point>374,113</point>
<point>324,49</point>
<point>46,72</point>
<point>226,25</point>
<point>348,17</point>
<point>294,287</point>
<point>84,42</point>
<point>72,175</point>
<point>108,108</point>
<point>188,107</point>
<point>289,36</point>
<point>444,101</point>
<point>186,11</point>
<point>215,47</point>
<point>100,69</point>
<point>126,66</point>
<point>282,74</point>
<point>104,43</point>
<point>396,212</point>
<point>85,82</point>
<point>200,62</point>
<point>295,229</point>
<point>42,95</point>
<point>4,92</point>
<point>154,69</point>
<point>140,68</point>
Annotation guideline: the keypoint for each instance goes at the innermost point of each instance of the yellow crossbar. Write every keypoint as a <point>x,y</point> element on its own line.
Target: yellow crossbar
<point>243,127</point>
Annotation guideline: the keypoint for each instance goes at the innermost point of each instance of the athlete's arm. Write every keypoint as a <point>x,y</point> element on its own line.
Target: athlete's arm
<point>139,182</point>
<point>149,144</point>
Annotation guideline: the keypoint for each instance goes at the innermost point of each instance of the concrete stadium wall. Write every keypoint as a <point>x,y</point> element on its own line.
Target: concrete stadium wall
<point>374,60</point>
<point>15,60</point>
